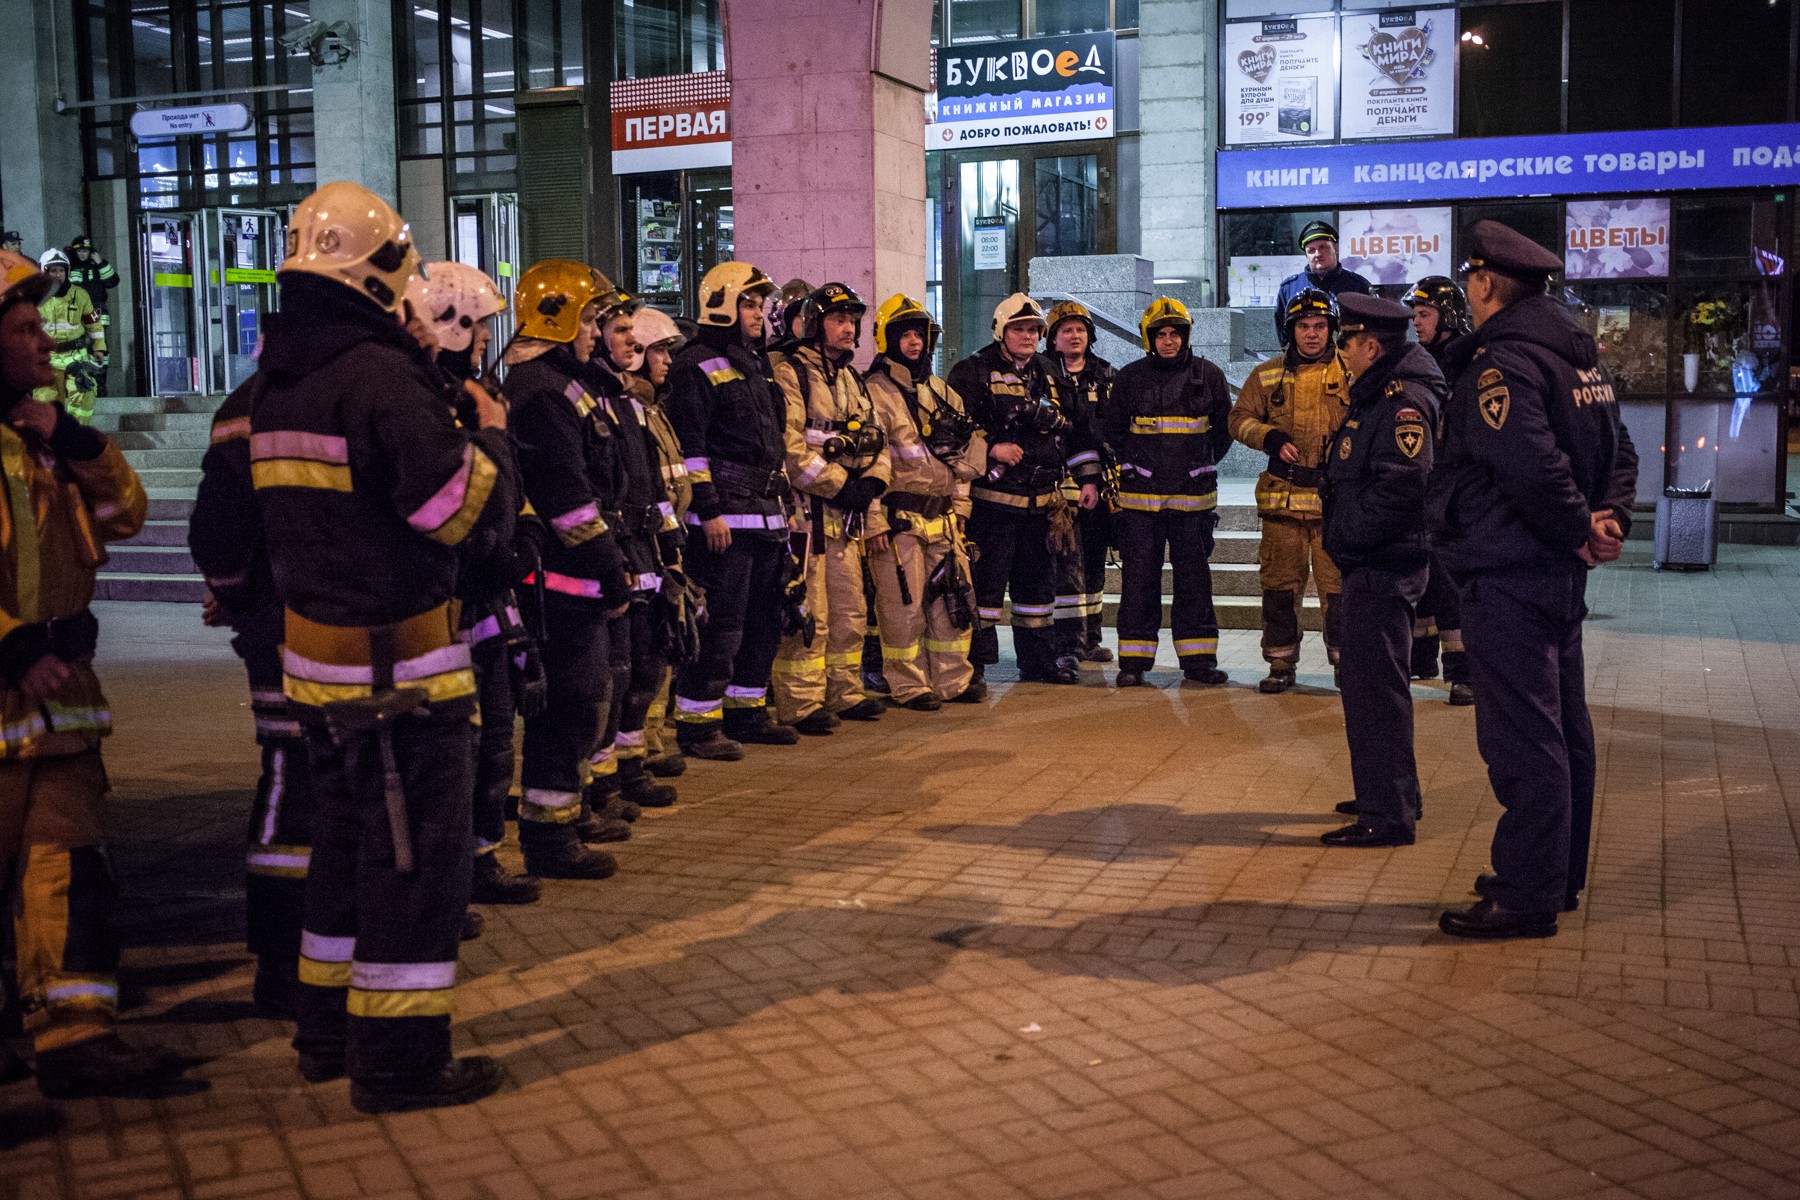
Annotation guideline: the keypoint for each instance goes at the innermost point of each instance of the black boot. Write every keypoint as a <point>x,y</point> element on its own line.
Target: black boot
<point>817,723</point>
<point>668,765</point>
<point>12,1067</point>
<point>494,884</point>
<point>109,1066</point>
<point>866,709</point>
<point>1425,658</point>
<point>277,978</point>
<point>1206,672</point>
<point>708,741</point>
<point>474,925</point>
<point>1281,678</point>
<point>638,789</point>
<point>556,852</point>
<point>596,826</point>
<point>753,726</point>
<point>460,1081</point>
<point>976,692</point>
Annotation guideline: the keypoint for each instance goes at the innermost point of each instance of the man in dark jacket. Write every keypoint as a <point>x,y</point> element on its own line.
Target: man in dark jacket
<point>1375,532</point>
<point>1165,423</point>
<point>1086,380</point>
<point>1533,487</point>
<point>368,491</point>
<point>1319,242</point>
<point>1012,393</point>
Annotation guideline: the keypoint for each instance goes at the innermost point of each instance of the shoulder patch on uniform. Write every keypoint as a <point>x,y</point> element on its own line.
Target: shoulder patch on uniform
<point>1409,414</point>
<point>1410,438</point>
<point>1494,402</point>
<point>1490,377</point>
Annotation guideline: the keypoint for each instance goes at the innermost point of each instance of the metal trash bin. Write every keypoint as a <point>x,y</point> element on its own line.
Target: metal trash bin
<point>1687,529</point>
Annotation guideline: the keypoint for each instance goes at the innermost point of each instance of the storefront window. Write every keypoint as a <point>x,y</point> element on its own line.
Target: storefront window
<point>1262,249</point>
<point>1726,235</point>
<point>983,20</point>
<point>653,234</point>
<point>1051,17</point>
<point>1511,81</point>
<point>1539,220</point>
<point>668,37</point>
<point>1734,61</point>
<point>1068,205</point>
<point>1621,82</point>
<point>1727,446</point>
<point>1630,322</point>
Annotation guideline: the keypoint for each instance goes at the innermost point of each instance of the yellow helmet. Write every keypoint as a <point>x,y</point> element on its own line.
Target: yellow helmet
<point>1068,310</point>
<point>1164,310</point>
<point>347,233</point>
<point>900,309</point>
<point>20,279</point>
<point>721,287</point>
<point>551,294</point>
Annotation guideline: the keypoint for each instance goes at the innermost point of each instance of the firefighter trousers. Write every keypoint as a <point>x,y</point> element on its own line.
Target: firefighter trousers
<point>1015,557</point>
<point>59,880</point>
<point>493,742</point>
<point>742,630</point>
<point>637,673</point>
<point>378,950</point>
<point>922,653</point>
<point>1081,582</point>
<point>279,853</point>
<point>1292,549</point>
<point>1187,539</point>
<point>828,673</point>
<point>560,741</point>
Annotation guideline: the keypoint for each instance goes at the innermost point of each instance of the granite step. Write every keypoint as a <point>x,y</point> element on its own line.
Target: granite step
<point>146,422</point>
<point>136,441</point>
<point>127,558</point>
<point>163,531</point>
<point>184,459</point>
<point>126,585</point>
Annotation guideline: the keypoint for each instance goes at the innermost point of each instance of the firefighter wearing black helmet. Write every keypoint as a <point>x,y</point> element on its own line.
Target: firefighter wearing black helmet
<point>1319,242</point>
<point>1440,315</point>
<point>1288,409</point>
<point>837,459</point>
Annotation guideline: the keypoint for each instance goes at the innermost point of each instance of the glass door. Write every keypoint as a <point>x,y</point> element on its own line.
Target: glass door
<point>245,248</point>
<point>712,224</point>
<point>987,268</point>
<point>484,234</point>
<point>167,255</point>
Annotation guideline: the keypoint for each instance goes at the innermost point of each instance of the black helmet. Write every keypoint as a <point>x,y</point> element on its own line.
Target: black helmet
<point>1441,293</point>
<point>832,297</point>
<point>1310,302</point>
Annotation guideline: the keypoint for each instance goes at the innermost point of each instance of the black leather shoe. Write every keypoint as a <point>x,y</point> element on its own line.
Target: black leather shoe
<point>866,709</point>
<point>1206,676</point>
<point>1347,807</point>
<point>923,702</point>
<point>637,787</point>
<point>461,1081</point>
<point>1483,881</point>
<point>817,723</point>
<point>1280,680</point>
<point>597,829</point>
<point>1486,919</point>
<point>1366,836</point>
<point>1127,679</point>
<point>1461,695</point>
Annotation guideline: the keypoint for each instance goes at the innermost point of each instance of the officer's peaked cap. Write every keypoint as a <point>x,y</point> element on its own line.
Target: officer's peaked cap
<point>1315,230</point>
<point>1497,247</point>
<point>1358,313</point>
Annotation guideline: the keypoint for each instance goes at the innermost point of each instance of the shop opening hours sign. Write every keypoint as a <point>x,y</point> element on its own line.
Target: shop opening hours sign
<point>671,123</point>
<point>1054,89</point>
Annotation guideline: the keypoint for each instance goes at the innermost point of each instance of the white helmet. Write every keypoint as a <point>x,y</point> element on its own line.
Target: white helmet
<point>1017,307</point>
<point>52,258</point>
<point>454,297</point>
<point>347,233</point>
<point>653,327</point>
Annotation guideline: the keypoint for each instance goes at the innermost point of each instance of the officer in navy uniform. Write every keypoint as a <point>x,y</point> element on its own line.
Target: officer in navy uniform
<point>1533,488</point>
<point>1374,531</point>
<point>1319,242</point>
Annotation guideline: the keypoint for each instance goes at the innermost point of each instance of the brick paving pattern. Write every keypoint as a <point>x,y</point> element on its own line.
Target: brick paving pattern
<point>1082,943</point>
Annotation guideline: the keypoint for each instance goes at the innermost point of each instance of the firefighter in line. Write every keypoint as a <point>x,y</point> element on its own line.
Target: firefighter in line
<point>662,340</point>
<point>785,313</point>
<point>368,492</point>
<point>89,270</point>
<point>570,463</point>
<point>731,419</point>
<point>916,552</point>
<point>1085,379</point>
<point>73,323</point>
<point>1440,315</point>
<point>457,303</point>
<point>1375,531</point>
<point>651,538</point>
<point>837,459</point>
<point>1165,423</point>
<point>1289,408</point>
<point>68,490</point>
<point>1011,392</point>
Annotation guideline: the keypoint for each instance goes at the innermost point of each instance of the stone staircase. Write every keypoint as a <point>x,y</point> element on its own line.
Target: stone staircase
<point>164,438</point>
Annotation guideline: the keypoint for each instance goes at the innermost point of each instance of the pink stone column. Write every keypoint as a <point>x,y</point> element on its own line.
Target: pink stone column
<point>828,157</point>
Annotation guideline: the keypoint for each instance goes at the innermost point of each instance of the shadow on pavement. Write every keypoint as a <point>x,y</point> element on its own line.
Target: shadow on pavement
<point>1133,832</point>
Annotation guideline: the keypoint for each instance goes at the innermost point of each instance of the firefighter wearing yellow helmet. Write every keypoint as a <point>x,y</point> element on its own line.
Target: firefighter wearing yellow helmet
<point>1081,573</point>
<point>569,459</point>
<point>923,594</point>
<point>838,462</point>
<point>731,420</point>
<point>1165,423</point>
<point>368,494</point>
<point>1290,408</point>
<point>1033,443</point>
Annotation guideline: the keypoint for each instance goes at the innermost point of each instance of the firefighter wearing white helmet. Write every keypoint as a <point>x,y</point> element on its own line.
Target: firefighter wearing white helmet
<point>923,596</point>
<point>457,302</point>
<point>731,419</point>
<point>80,336</point>
<point>1033,443</point>
<point>1165,423</point>
<point>837,460</point>
<point>368,492</point>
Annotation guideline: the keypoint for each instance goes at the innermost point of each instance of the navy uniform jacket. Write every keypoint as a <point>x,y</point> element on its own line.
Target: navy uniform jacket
<point>1376,470</point>
<point>1166,423</point>
<point>1532,443</point>
<point>1334,282</point>
<point>729,414</point>
<point>1002,398</point>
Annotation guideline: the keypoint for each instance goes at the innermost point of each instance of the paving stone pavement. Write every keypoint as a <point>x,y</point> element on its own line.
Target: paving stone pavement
<point>1077,943</point>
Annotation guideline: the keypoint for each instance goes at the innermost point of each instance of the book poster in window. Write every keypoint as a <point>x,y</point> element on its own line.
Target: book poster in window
<point>1400,73</point>
<point>1280,80</point>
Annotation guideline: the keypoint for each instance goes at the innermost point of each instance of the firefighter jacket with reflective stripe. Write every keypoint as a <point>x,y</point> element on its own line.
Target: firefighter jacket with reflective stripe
<point>1288,401</point>
<point>225,532</point>
<point>368,489</point>
<point>71,320</point>
<point>905,409</point>
<point>573,468</point>
<point>1375,475</point>
<point>1087,390</point>
<point>827,401</point>
<point>669,460</point>
<point>96,277</point>
<point>726,410</point>
<point>1165,423</point>
<point>1005,399</point>
<point>648,533</point>
<point>64,500</point>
